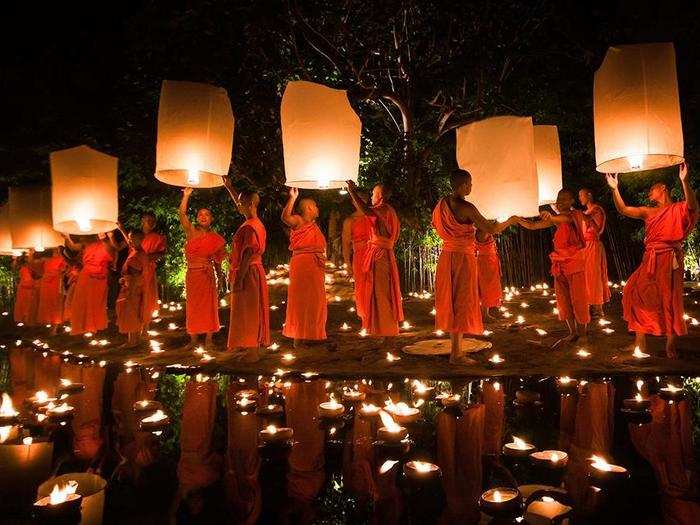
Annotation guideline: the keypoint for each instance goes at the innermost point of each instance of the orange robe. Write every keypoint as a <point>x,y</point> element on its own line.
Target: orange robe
<point>456,283</point>
<point>152,243</point>
<point>249,324</point>
<point>202,306</point>
<point>594,255</point>
<point>51,291</point>
<point>307,308</point>
<point>360,232</point>
<point>489,271</point>
<point>652,301</point>
<point>380,293</point>
<point>131,314</point>
<point>73,273</point>
<point>89,304</point>
<point>26,297</point>
<point>568,269</point>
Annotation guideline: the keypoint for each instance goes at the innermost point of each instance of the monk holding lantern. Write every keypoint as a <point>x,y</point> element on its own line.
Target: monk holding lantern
<point>131,314</point>
<point>204,251</point>
<point>652,300</point>
<point>379,296</point>
<point>51,291</point>
<point>488,264</point>
<point>457,302</point>
<point>594,252</point>
<point>307,309</point>
<point>249,325</point>
<point>356,232</point>
<point>154,245</point>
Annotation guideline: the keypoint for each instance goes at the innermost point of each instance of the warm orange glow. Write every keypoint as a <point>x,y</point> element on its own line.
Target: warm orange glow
<point>548,161</point>
<point>31,225</point>
<point>7,409</point>
<point>61,494</point>
<point>5,237</point>
<point>388,422</point>
<point>195,134</point>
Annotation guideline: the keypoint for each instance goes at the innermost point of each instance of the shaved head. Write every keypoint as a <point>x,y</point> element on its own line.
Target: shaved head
<point>459,177</point>
<point>566,192</point>
<point>305,203</point>
<point>250,198</point>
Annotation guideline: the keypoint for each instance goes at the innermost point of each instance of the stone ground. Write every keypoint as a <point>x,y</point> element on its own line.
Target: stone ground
<point>347,354</point>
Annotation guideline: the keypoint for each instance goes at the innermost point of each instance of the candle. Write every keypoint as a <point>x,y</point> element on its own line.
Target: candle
<point>156,422</point>
<point>390,432</point>
<point>70,388</point>
<point>273,434</point>
<point>602,472</point>
<point>500,502</point>
<point>401,412</point>
<point>370,410</point>
<point>546,510</point>
<point>422,391</point>
<point>638,403</point>
<point>550,459</point>
<point>245,403</point>
<point>146,406</point>
<point>421,470</point>
<point>331,408</point>
<point>567,385</point>
<point>496,359</point>
<point>40,398</point>
<point>8,414</point>
<point>671,393</point>
<point>61,506</point>
<point>269,410</point>
<point>518,448</point>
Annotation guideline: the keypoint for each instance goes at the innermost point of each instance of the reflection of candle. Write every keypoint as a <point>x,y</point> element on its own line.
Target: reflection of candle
<point>331,408</point>
<point>638,403</point>
<point>390,432</point>
<point>551,459</point>
<point>421,470</point>
<point>518,448</point>
<point>496,359</point>
<point>273,434</point>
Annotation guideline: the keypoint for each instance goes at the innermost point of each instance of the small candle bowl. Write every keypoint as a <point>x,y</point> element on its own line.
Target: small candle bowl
<point>154,424</point>
<point>501,502</point>
<point>68,388</point>
<point>247,392</point>
<point>518,450</point>
<point>550,459</point>
<point>65,512</point>
<point>246,404</point>
<point>354,396</point>
<point>146,406</point>
<point>567,386</point>
<point>450,400</point>
<point>404,414</point>
<point>60,413</point>
<point>637,404</point>
<point>421,471</point>
<point>369,411</point>
<point>672,394</point>
<point>607,476</point>
<point>273,434</point>
<point>330,410</point>
<point>269,410</point>
<point>383,434</point>
<point>40,400</point>
<point>637,417</point>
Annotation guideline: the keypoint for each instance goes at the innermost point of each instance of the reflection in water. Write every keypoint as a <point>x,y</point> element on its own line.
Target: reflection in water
<point>345,464</point>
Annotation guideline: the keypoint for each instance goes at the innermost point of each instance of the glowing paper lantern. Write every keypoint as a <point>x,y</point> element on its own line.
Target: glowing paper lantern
<point>30,219</point>
<point>548,161</point>
<point>5,237</point>
<point>84,191</point>
<point>499,153</point>
<point>195,134</point>
<point>636,109</point>
<point>320,135</point>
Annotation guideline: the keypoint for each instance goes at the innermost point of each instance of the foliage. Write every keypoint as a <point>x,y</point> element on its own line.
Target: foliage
<point>171,392</point>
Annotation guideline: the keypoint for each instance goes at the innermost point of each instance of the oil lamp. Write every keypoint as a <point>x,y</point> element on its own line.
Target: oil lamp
<point>353,395</point>
<point>369,410</point>
<point>59,413</point>
<point>603,473</point>
<point>449,400</point>
<point>421,470</point>
<point>638,403</point>
<point>39,399</point>
<point>518,448</point>
<point>269,410</point>
<point>146,406</point>
<point>390,432</point>
<point>422,391</point>
<point>69,388</point>
<point>273,434</point>
<point>401,412</point>
<point>155,423</point>
<point>331,408</point>
<point>671,393</point>
<point>61,506</point>
<point>501,502</point>
<point>567,386</point>
<point>550,459</point>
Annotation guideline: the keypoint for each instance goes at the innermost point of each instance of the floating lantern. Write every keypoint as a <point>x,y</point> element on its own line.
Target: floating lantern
<point>62,505</point>
<point>273,434</point>
<point>636,109</point>
<point>501,502</point>
<point>90,487</point>
<point>550,459</point>
<point>390,432</point>
<point>84,197</point>
<point>331,409</point>
<point>518,448</point>
<point>195,134</point>
<point>548,162</point>
<point>421,471</point>
<point>5,237</point>
<point>30,220</point>
<point>499,153</point>
<point>320,136</point>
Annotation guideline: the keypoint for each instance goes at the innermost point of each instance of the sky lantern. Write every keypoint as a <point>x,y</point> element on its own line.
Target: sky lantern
<point>30,219</point>
<point>84,193</point>
<point>195,134</point>
<point>548,161</point>
<point>636,109</point>
<point>321,136</point>
<point>499,153</point>
<point>5,237</point>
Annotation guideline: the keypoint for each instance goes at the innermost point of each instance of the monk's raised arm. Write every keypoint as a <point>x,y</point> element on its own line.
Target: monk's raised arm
<point>288,216</point>
<point>182,211</point>
<point>231,190</point>
<point>357,201</point>
<point>691,198</point>
<point>628,211</point>
<point>71,244</point>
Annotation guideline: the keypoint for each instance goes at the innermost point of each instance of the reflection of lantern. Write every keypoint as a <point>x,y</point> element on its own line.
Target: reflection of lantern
<point>548,160</point>
<point>5,237</point>
<point>30,219</point>
<point>636,109</point>
<point>499,153</point>
<point>90,486</point>
<point>320,135</point>
<point>195,134</point>
<point>83,191</point>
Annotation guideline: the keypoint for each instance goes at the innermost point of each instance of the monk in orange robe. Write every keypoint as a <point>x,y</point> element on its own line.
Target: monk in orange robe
<point>457,308</point>
<point>356,232</point>
<point>131,315</point>
<point>249,325</point>
<point>488,265</point>
<point>568,264</point>
<point>652,301</point>
<point>204,251</point>
<point>307,308</point>
<point>594,252</point>
<point>51,291</point>
<point>380,293</point>
<point>88,309</point>
<point>154,245</point>
<point>27,293</point>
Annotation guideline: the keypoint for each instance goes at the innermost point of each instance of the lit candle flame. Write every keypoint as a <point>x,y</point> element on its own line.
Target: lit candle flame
<point>600,463</point>
<point>388,422</point>
<point>158,415</point>
<point>6,408</point>
<point>60,494</point>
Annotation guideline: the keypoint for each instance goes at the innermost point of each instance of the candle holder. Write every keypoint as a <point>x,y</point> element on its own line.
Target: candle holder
<point>421,471</point>
<point>155,423</point>
<point>637,417</point>
<point>550,459</point>
<point>39,399</point>
<point>637,404</point>
<point>604,475</point>
<point>64,513</point>
<point>672,394</point>
<point>271,410</point>
<point>368,411</point>
<point>60,414</point>
<point>330,410</point>
<point>388,435</point>
<point>146,406</point>
<point>402,413</point>
<point>246,404</point>
<point>518,449</point>
<point>567,386</point>
<point>276,435</point>
<point>247,393</point>
<point>353,396</point>
<point>424,392</point>
<point>68,388</point>
<point>501,503</point>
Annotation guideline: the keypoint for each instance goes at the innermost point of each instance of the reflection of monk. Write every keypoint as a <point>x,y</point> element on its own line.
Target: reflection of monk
<point>456,285</point>
<point>356,232</point>
<point>594,253</point>
<point>652,301</point>
<point>307,308</point>
<point>380,294</point>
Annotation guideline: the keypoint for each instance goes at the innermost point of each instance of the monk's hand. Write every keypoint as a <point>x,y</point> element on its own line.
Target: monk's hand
<point>545,216</point>
<point>294,192</point>
<point>683,172</point>
<point>611,178</point>
<point>187,191</point>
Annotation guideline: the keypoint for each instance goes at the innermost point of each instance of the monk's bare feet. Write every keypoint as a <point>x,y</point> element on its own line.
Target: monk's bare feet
<point>565,341</point>
<point>461,360</point>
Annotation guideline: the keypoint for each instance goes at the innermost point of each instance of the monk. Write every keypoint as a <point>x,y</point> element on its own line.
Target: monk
<point>380,293</point>
<point>154,245</point>
<point>307,309</point>
<point>488,265</point>
<point>594,252</point>
<point>652,300</point>
<point>204,251</point>
<point>356,231</point>
<point>88,308</point>
<point>50,310</point>
<point>131,315</point>
<point>568,265</point>
<point>249,325</point>
<point>456,280</point>
<point>27,294</point>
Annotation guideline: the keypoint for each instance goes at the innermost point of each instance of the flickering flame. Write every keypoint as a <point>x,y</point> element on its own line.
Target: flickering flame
<point>600,463</point>
<point>422,466</point>
<point>370,408</point>
<point>6,408</point>
<point>497,496</point>
<point>272,429</point>
<point>60,494</point>
<point>638,398</point>
<point>41,397</point>
<point>66,382</point>
<point>541,332</point>
<point>193,176</point>
<point>669,388</point>
<point>391,357</point>
<point>61,409</point>
<point>406,325</point>
<point>363,332</point>
<point>554,457</point>
<point>565,380</point>
<point>486,333</point>
<point>387,466</point>
<point>345,326</point>
<point>519,444</point>
<point>388,422</point>
<point>332,403</point>
<point>399,409</point>
<point>84,222</point>
<point>583,353</point>
<point>419,387</point>
<point>157,416</point>
<point>496,359</point>
<point>288,358</point>
<point>5,433</point>
<point>497,386</point>
<point>640,384</point>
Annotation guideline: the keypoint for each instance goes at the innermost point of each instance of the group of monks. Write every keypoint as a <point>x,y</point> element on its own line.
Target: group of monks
<point>467,284</point>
